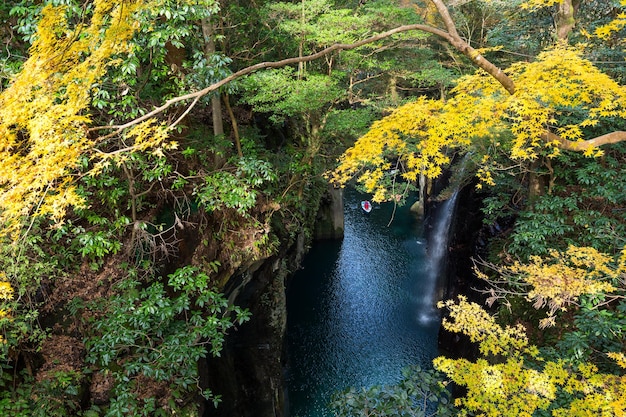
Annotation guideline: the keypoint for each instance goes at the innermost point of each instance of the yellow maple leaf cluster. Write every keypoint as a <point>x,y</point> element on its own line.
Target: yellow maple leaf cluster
<point>386,141</point>
<point>6,293</point>
<point>560,280</point>
<point>472,320</point>
<point>44,113</point>
<point>536,4</point>
<point>517,381</point>
<point>502,389</point>
<point>560,78</point>
<point>619,358</point>
<point>515,388</point>
<point>615,25</point>
<point>422,134</point>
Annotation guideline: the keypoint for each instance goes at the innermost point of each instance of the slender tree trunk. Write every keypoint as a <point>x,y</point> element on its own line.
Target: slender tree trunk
<point>301,45</point>
<point>566,18</point>
<point>351,89</point>
<point>536,182</point>
<point>418,207</point>
<point>393,90</point>
<point>234,125</point>
<point>133,206</point>
<point>216,103</point>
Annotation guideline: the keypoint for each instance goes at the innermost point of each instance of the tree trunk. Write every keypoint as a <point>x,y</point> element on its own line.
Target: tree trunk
<point>301,44</point>
<point>216,103</point>
<point>233,123</point>
<point>566,18</point>
<point>536,181</point>
<point>418,207</point>
<point>393,90</point>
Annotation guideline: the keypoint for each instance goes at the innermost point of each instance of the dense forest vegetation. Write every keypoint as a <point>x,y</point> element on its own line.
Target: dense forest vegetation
<point>151,150</point>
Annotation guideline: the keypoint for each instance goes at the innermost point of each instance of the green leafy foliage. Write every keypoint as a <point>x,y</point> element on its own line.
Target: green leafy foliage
<point>594,331</point>
<point>282,94</point>
<point>147,334</point>
<point>158,333</point>
<point>25,267</point>
<point>420,393</point>
<point>236,190</point>
<point>346,125</point>
<point>56,396</point>
<point>532,237</point>
<point>207,70</point>
<point>584,207</point>
<point>154,68</point>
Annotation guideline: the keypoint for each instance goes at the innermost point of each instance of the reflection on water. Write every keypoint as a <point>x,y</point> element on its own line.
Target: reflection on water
<point>360,310</point>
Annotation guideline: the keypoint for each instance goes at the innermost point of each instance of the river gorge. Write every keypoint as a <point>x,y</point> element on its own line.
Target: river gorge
<point>353,312</point>
<point>361,309</point>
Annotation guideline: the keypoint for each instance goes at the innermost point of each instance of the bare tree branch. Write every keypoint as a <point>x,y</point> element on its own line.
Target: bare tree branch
<point>450,35</point>
<point>462,46</point>
<point>275,64</point>
<point>613,137</point>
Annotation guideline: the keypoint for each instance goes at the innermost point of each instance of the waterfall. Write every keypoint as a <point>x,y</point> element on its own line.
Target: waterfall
<point>436,258</point>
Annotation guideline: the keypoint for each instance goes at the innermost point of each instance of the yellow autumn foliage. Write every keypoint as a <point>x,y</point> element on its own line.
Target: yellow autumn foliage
<point>43,116</point>
<point>536,4</point>
<point>473,321</point>
<point>387,140</point>
<point>423,134</point>
<point>519,382</point>
<point>615,25</point>
<point>561,279</point>
<point>619,358</point>
<point>6,293</point>
<point>44,113</point>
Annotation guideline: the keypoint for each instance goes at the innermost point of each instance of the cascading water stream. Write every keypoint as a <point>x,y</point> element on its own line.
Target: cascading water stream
<point>436,258</point>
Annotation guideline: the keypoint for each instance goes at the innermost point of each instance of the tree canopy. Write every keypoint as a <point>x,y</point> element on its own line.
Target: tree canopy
<point>142,165</point>
<point>519,126</point>
<point>530,109</point>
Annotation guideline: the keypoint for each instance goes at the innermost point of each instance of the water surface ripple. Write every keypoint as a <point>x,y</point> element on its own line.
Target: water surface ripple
<point>359,310</point>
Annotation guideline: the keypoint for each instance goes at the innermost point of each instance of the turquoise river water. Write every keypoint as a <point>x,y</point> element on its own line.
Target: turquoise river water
<point>360,309</point>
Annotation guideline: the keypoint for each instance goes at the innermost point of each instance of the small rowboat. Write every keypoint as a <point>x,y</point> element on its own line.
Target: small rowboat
<point>366,206</point>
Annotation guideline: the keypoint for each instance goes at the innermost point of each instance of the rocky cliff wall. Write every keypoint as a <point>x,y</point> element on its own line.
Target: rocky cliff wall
<point>465,234</point>
<point>249,373</point>
<point>329,219</point>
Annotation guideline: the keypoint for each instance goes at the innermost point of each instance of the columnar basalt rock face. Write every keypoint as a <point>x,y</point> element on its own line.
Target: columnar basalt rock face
<point>465,230</point>
<point>464,233</point>
<point>329,221</point>
<point>248,375</point>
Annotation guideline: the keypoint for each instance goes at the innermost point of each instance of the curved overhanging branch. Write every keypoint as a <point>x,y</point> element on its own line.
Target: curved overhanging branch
<point>609,138</point>
<point>465,48</point>
<point>274,64</point>
<point>450,35</point>
<point>567,9</point>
